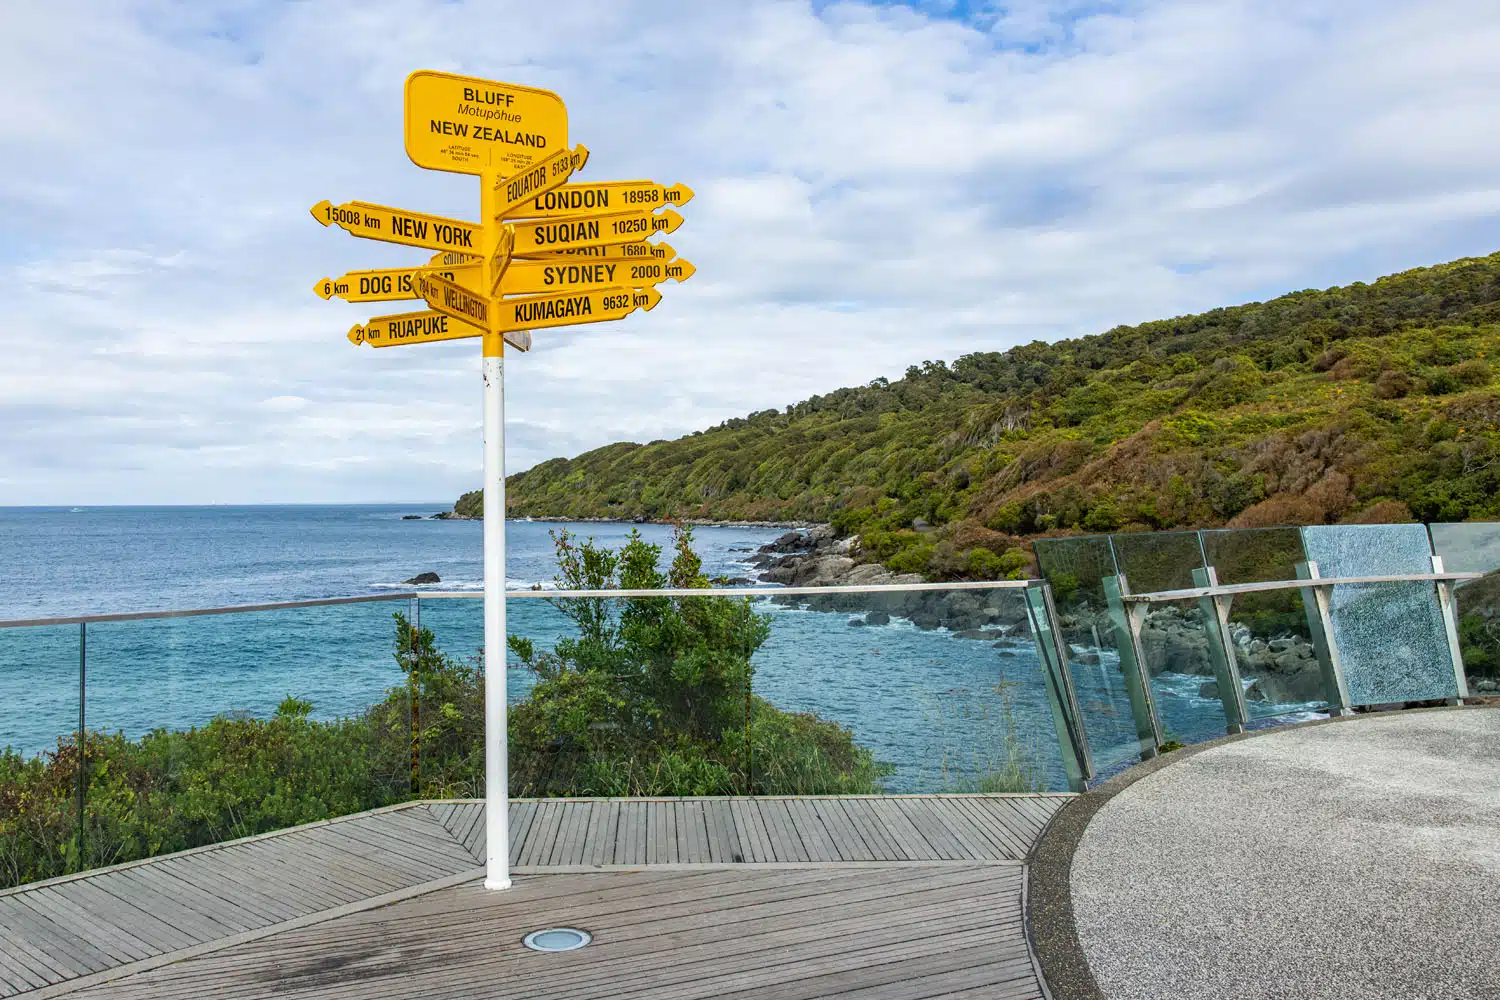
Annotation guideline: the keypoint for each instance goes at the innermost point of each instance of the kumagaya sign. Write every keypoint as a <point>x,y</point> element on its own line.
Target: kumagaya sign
<point>545,254</point>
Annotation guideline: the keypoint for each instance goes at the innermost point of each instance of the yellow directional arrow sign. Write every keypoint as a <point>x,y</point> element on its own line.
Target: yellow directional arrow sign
<point>423,328</point>
<point>522,278</point>
<point>622,251</point>
<point>386,284</point>
<point>539,178</point>
<point>453,300</point>
<point>530,277</point>
<point>606,196</point>
<point>396,225</point>
<point>468,125</point>
<point>528,313</point>
<point>552,235</point>
<point>569,308</point>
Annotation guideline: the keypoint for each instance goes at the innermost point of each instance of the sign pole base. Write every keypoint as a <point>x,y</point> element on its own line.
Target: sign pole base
<point>496,764</point>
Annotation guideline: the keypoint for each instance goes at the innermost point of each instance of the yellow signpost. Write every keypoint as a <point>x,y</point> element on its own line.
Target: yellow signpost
<point>575,232</point>
<point>544,254</point>
<point>397,225</point>
<point>423,328</point>
<point>470,126</point>
<point>605,196</point>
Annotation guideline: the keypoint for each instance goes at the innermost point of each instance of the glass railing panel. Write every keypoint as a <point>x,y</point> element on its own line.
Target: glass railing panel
<point>1272,643</point>
<point>38,755</point>
<point>209,728</point>
<point>1391,637</point>
<point>1158,560</point>
<point>914,691</point>
<point>1181,668</point>
<point>1474,547</point>
<point>1075,567</point>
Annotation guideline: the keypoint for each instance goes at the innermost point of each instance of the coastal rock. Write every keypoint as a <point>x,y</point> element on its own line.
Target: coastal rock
<point>411,517</point>
<point>857,623</point>
<point>422,578</point>
<point>878,618</point>
<point>1087,658</point>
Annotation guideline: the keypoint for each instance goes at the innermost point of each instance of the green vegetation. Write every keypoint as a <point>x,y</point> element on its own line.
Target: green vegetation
<point>1371,402</point>
<point>651,697</point>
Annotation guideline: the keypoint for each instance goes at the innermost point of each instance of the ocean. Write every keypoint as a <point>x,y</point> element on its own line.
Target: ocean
<point>936,706</point>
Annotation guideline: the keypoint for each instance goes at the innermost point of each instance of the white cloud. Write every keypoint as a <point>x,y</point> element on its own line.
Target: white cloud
<point>876,187</point>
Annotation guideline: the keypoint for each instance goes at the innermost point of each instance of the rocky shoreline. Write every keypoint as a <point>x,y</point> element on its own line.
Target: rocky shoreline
<point>1277,669</point>
<point>816,558</point>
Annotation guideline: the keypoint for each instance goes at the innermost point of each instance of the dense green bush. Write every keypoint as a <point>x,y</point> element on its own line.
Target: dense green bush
<point>1247,415</point>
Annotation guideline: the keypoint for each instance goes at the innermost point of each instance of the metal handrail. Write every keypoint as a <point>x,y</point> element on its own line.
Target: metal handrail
<point>768,591</point>
<point>1230,589</point>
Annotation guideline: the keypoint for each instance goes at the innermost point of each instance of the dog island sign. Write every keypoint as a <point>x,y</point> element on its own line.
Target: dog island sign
<point>472,126</point>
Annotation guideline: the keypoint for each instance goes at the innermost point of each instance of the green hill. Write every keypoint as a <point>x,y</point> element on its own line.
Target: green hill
<point>1367,402</point>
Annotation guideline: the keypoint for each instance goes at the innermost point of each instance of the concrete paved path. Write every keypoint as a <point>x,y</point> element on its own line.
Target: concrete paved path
<point>1355,859</point>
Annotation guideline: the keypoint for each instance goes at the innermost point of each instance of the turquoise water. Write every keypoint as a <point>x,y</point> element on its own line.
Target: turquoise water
<point>933,705</point>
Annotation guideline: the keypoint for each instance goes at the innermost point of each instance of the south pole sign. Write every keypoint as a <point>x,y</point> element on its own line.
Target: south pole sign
<point>546,254</point>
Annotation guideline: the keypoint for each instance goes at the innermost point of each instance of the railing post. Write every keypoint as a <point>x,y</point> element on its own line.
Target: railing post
<point>1449,607</point>
<point>1317,602</point>
<point>1127,620</point>
<point>1052,652</point>
<point>82,742</point>
<point>1215,612</point>
<point>414,698</point>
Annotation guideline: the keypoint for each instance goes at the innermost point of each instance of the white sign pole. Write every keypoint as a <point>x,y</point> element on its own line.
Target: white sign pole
<point>496,769</point>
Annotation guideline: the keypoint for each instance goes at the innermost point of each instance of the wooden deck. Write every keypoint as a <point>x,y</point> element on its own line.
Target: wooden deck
<point>879,896</point>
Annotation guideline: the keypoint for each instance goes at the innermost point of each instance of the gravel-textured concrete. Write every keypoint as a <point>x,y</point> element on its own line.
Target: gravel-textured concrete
<point>1353,860</point>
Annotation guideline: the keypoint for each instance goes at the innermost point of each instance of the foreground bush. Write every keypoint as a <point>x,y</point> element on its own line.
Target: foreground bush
<point>650,698</point>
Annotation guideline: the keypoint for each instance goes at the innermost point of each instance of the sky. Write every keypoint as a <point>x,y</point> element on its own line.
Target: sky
<point>877,184</point>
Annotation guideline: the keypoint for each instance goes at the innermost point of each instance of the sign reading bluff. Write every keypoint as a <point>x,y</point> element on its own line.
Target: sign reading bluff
<point>468,125</point>
<point>396,225</point>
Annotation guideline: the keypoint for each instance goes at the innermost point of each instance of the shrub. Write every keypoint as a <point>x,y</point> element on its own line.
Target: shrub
<point>1472,373</point>
<point>982,564</point>
<point>912,559</point>
<point>1392,384</point>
